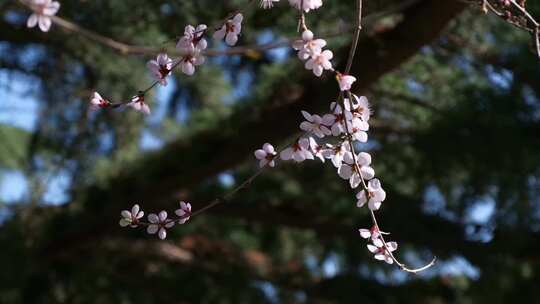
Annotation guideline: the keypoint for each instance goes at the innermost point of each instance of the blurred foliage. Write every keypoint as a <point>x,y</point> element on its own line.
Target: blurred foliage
<point>458,150</point>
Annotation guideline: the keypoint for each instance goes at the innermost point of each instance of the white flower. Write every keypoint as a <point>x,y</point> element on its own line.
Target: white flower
<point>230,30</point>
<point>349,171</point>
<point>266,4</point>
<point>159,223</point>
<point>98,102</point>
<point>345,81</point>
<point>193,39</point>
<point>43,10</point>
<point>374,197</point>
<point>357,129</point>
<point>361,109</point>
<point>298,151</point>
<point>131,218</point>
<point>336,120</point>
<point>266,155</point>
<point>320,62</point>
<point>308,47</point>
<point>314,124</point>
<point>382,253</point>
<point>307,4</point>
<point>192,44</point>
<point>316,149</point>
<point>372,233</point>
<point>138,104</point>
<point>188,62</point>
<point>160,68</point>
<point>184,212</point>
<point>336,153</point>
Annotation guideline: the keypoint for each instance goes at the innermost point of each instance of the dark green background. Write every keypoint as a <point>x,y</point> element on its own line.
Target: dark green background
<point>454,138</point>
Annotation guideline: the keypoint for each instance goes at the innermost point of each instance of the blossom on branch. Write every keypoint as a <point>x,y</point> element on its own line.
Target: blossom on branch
<point>306,5</point>
<point>316,149</point>
<point>184,212</point>
<point>160,68</point>
<point>188,62</point>
<point>308,47</point>
<point>230,30</point>
<point>314,124</point>
<point>266,155</point>
<point>373,233</point>
<point>43,10</point>
<point>337,153</point>
<point>374,196</point>
<point>320,62</point>
<point>159,223</point>
<point>355,173</point>
<point>192,44</point>
<point>382,252</point>
<point>138,104</point>
<point>131,218</point>
<point>193,38</point>
<point>97,102</point>
<point>345,81</point>
<point>336,120</point>
<point>298,152</point>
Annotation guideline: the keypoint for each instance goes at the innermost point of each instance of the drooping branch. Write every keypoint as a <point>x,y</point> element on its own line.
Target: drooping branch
<point>171,175</point>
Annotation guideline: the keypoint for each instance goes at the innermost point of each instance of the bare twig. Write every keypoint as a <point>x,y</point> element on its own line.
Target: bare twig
<point>356,167</point>
<point>356,37</point>
<point>522,20</point>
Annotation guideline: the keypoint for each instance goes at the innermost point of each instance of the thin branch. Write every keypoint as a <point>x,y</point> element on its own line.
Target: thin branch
<point>527,23</point>
<point>356,167</point>
<point>356,37</point>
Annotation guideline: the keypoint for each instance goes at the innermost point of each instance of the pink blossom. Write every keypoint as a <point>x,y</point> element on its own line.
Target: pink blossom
<point>316,149</point>
<point>230,30</point>
<point>337,153</point>
<point>382,252</point>
<point>266,155</point>
<point>159,223</point>
<point>131,218</point>
<point>320,62</point>
<point>345,81</point>
<point>314,124</point>
<point>138,104</point>
<point>43,10</point>
<point>349,170</point>
<point>308,47</point>
<point>193,38</point>
<point>374,197</point>
<point>160,68</point>
<point>306,5</point>
<point>97,102</point>
<point>184,212</point>
<point>298,152</point>
<point>372,233</point>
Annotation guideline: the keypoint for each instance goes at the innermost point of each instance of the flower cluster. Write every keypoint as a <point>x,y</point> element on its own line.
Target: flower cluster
<point>333,135</point>
<point>191,45</point>
<point>157,223</point>
<point>346,122</point>
<point>382,250</point>
<point>337,132</point>
<point>43,10</point>
<point>311,50</point>
<point>230,30</point>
